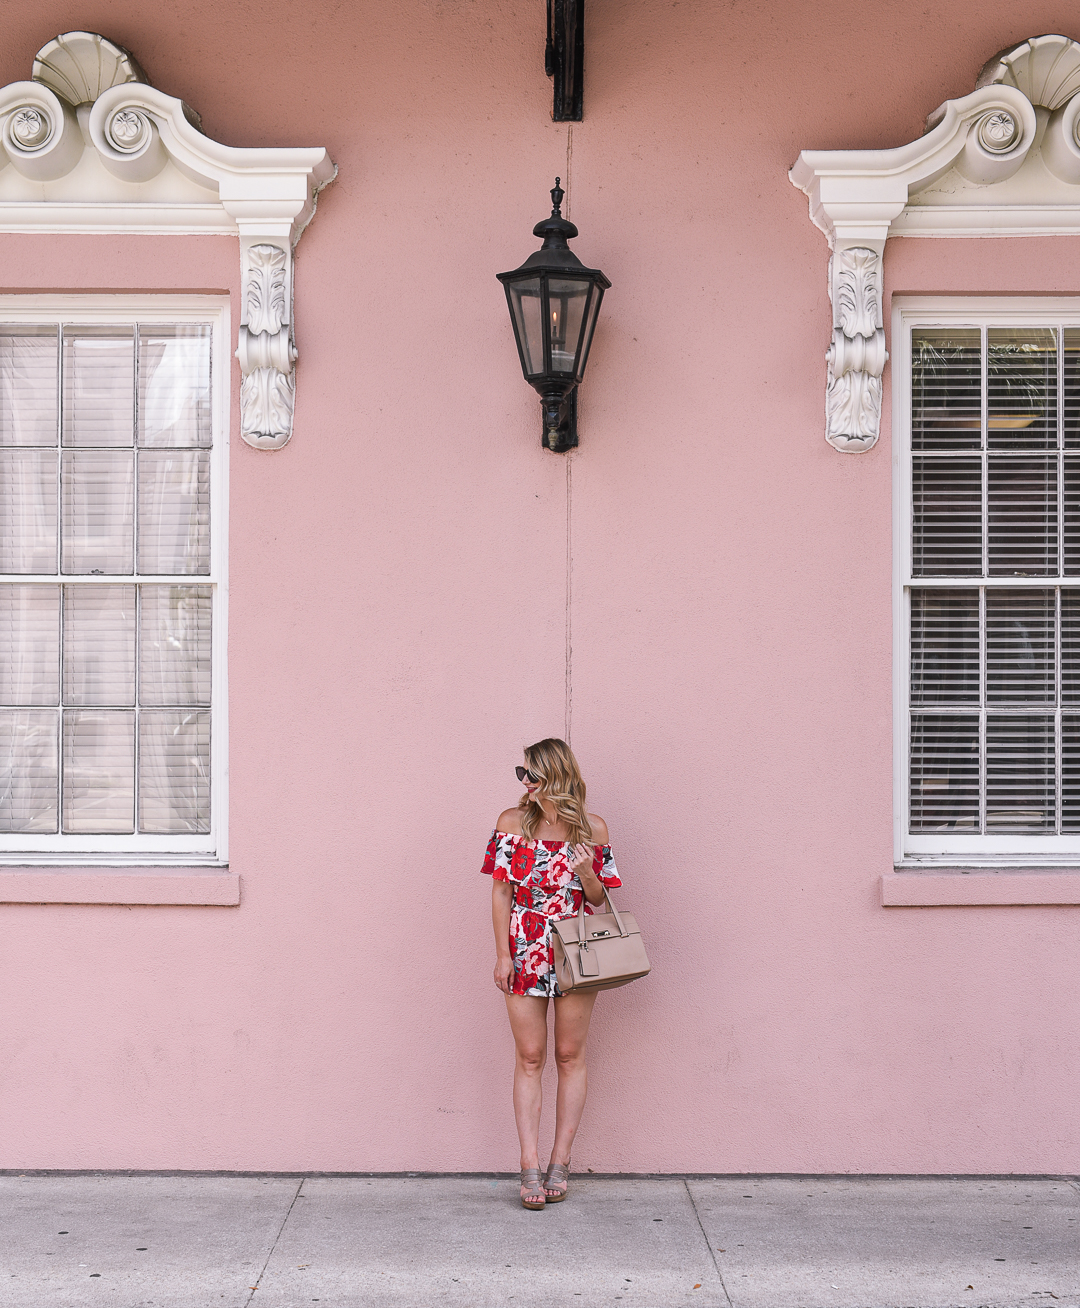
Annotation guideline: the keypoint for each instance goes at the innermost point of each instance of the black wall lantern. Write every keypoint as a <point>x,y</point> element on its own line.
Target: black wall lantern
<point>554,302</point>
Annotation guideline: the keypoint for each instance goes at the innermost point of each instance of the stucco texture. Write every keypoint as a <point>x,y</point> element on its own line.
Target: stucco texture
<point>403,619</point>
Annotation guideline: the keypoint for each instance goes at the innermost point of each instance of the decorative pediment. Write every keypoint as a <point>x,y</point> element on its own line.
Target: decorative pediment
<point>1002,161</point>
<point>87,145</point>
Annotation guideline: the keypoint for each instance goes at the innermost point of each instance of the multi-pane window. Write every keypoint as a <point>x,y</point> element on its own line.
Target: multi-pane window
<point>990,585</point>
<point>110,612</point>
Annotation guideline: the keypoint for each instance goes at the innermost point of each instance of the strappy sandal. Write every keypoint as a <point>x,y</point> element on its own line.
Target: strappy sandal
<point>532,1188</point>
<point>558,1175</point>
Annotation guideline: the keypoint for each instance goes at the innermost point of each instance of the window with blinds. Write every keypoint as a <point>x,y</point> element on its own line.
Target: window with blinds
<point>111,617</point>
<point>989,696</point>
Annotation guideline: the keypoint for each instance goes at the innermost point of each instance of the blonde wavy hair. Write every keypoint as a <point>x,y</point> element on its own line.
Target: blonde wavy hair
<point>561,785</point>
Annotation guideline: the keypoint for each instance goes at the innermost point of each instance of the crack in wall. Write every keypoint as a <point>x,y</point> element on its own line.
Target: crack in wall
<point>568,691</point>
<point>569,681</point>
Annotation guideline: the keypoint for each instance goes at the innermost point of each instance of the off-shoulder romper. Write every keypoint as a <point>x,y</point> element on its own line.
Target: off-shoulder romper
<point>544,890</point>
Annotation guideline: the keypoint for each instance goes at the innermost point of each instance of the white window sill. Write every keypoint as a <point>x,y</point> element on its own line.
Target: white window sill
<point>982,886</point>
<point>114,885</point>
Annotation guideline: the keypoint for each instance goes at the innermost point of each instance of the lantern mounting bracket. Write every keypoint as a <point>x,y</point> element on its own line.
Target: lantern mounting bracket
<point>560,423</point>
<point>564,57</point>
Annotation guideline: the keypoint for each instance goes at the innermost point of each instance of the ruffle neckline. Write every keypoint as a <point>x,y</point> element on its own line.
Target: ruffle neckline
<point>553,844</point>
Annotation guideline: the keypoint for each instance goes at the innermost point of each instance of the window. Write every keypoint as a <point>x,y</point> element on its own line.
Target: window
<point>988,729</point>
<point>112,602</point>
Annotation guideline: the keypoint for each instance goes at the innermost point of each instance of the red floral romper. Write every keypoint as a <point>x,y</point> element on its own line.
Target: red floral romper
<point>544,890</point>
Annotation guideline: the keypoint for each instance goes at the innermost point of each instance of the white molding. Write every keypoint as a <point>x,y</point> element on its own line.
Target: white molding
<point>901,596</point>
<point>856,195</point>
<point>923,854</point>
<point>209,850</point>
<point>88,146</point>
<point>1002,161</point>
<point>56,217</point>
<point>1007,220</point>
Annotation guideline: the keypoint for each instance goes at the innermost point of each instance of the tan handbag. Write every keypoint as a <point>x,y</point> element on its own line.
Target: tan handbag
<point>598,952</point>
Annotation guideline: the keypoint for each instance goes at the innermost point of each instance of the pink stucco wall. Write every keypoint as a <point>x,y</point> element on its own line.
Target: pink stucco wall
<point>400,608</point>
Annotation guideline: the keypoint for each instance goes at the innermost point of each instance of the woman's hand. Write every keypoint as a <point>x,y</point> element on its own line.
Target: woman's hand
<point>504,974</point>
<point>581,866</point>
<point>582,859</point>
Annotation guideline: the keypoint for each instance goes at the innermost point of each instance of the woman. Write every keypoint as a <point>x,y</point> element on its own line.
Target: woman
<point>543,856</point>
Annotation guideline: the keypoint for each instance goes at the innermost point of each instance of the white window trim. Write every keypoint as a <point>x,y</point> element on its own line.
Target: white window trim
<point>112,154</point>
<point>210,850</point>
<point>930,852</point>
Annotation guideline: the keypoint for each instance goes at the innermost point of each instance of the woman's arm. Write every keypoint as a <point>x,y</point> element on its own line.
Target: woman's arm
<point>502,894</point>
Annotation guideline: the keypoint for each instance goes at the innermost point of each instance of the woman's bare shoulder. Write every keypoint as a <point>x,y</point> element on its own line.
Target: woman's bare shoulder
<point>509,821</point>
<point>599,829</point>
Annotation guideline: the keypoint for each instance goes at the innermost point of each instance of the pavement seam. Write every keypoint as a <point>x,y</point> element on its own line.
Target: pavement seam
<point>284,1220</point>
<point>712,1254</point>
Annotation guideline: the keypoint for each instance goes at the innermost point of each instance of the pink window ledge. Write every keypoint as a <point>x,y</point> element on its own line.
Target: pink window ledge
<point>979,886</point>
<point>113,885</point>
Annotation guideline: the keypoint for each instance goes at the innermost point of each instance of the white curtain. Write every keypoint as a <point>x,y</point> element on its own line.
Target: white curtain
<point>174,512</point>
<point>174,771</point>
<point>174,386</point>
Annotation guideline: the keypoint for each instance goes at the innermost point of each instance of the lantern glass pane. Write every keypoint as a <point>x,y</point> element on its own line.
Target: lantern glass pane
<point>590,327</point>
<point>528,324</point>
<point>566,307</point>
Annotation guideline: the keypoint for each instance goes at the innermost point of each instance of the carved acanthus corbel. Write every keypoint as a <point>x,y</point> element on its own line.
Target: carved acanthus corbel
<point>265,347</point>
<point>857,356</point>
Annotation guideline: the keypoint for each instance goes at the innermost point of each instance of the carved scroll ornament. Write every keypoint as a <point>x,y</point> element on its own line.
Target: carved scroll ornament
<point>266,402</point>
<point>265,349</point>
<point>856,357</point>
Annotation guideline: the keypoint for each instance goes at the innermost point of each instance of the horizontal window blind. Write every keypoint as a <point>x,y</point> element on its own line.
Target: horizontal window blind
<point>29,525</point>
<point>947,516</point>
<point>1005,653</point>
<point>107,600</point>
<point>993,586</point>
<point>99,390</point>
<point>28,376</point>
<point>945,772</point>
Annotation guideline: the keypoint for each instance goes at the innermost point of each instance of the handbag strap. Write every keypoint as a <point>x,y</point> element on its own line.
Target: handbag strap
<point>581,917</point>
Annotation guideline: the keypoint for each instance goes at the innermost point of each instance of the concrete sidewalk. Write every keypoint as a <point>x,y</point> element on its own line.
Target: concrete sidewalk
<point>143,1241</point>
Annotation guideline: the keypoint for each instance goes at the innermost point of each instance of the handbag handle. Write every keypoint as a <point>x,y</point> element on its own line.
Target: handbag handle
<point>581,917</point>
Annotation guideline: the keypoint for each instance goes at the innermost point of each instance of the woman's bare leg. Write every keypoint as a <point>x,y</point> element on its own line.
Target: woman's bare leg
<point>528,1022</point>
<point>572,1016</point>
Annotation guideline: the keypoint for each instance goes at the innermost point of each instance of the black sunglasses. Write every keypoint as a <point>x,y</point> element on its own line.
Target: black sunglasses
<point>521,773</point>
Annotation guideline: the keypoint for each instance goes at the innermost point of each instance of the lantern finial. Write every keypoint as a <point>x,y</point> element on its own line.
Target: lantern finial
<point>556,230</point>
